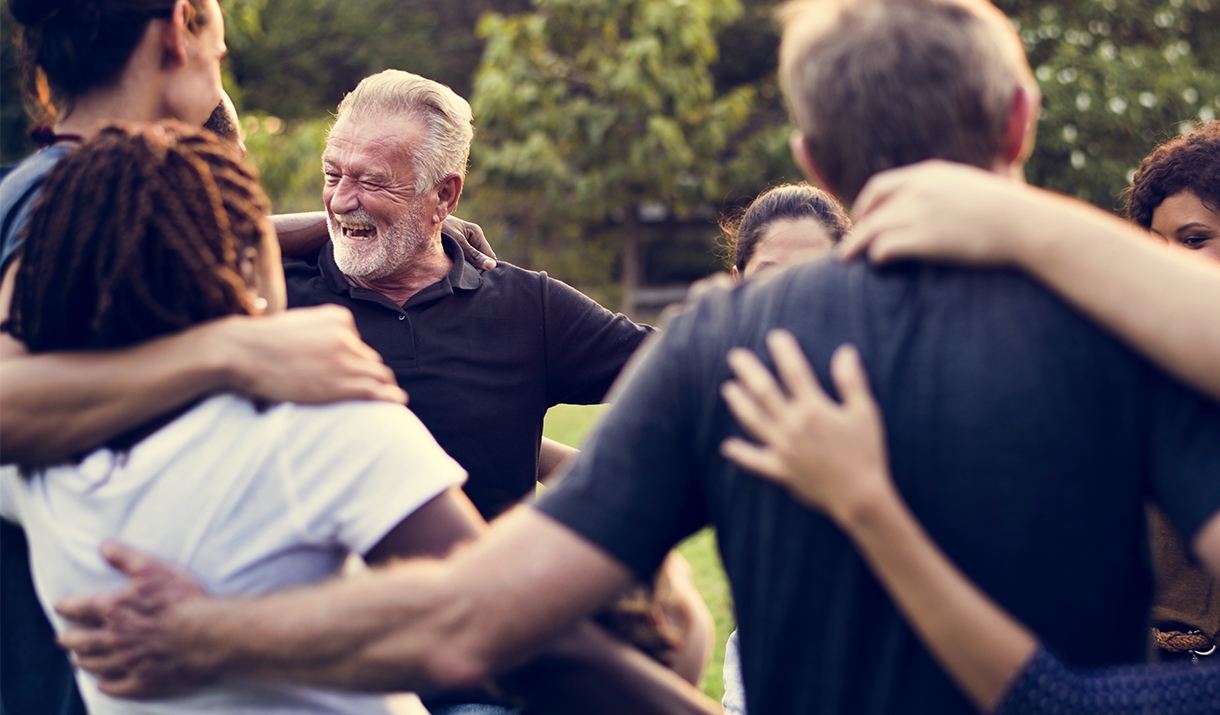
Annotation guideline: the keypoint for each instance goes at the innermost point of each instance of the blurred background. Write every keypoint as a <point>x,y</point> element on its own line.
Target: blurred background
<point>612,134</point>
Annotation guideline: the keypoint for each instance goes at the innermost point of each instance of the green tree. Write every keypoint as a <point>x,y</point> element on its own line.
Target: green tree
<point>1117,77</point>
<point>590,111</point>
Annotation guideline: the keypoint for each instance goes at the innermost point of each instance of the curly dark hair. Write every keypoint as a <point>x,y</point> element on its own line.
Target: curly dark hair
<point>1186,163</point>
<point>137,233</point>
<point>789,201</point>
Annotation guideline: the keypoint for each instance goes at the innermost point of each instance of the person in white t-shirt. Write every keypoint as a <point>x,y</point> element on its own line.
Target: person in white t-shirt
<point>142,232</point>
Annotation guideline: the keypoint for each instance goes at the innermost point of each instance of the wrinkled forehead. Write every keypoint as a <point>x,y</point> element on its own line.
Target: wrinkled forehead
<point>389,139</point>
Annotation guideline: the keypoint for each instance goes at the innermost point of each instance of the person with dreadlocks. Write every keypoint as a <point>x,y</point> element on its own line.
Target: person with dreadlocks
<point>251,499</point>
<point>87,63</point>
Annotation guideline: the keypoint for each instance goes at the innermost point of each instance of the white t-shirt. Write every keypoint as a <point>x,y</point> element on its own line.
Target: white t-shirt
<point>246,502</point>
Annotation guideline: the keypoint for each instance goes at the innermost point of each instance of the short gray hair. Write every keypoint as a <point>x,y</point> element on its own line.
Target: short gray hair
<point>447,119</point>
<point>876,84</point>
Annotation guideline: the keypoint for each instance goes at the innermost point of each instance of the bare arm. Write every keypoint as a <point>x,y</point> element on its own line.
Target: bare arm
<point>832,458</point>
<point>1156,297</point>
<point>59,404</point>
<point>551,456</point>
<point>418,625</point>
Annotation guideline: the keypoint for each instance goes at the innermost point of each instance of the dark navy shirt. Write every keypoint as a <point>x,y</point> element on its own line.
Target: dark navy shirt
<point>1025,439</point>
<point>483,355</point>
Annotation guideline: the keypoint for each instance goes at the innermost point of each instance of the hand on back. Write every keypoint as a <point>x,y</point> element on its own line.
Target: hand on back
<point>306,355</point>
<point>831,456</point>
<point>941,211</point>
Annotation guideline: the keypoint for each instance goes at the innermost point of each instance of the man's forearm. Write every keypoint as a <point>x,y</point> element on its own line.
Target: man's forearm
<point>589,671</point>
<point>301,233</point>
<point>1159,299</point>
<point>57,405</point>
<point>340,635</point>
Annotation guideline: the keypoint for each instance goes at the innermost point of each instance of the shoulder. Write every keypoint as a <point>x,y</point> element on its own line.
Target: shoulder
<point>355,422</point>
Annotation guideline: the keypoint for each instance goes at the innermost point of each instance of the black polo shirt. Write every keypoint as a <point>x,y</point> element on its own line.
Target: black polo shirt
<point>483,355</point>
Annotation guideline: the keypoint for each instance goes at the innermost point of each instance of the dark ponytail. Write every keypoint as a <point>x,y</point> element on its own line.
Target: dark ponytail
<point>69,47</point>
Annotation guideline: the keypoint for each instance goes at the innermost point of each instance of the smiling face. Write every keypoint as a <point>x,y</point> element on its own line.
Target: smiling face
<point>1184,219</point>
<point>787,241</point>
<point>377,221</point>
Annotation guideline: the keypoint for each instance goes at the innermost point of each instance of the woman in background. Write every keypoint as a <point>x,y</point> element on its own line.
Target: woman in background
<point>1175,194</point>
<point>784,225</point>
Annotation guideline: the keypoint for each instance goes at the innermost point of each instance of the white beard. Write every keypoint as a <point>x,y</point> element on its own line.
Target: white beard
<point>381,254</point>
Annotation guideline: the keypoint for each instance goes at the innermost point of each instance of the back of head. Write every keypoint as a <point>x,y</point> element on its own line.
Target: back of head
<point>877,84</point>
<point>787,202</point>
<point>137,233</point>
<point>446,117</point>
<point>1187,163</point>
<point>70,47</point>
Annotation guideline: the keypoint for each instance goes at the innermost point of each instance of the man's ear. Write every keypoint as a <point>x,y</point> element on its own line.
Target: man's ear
<point>448,191</point>
<point>804,160</point>
<point>174,32</point>
<point>1019,131</point>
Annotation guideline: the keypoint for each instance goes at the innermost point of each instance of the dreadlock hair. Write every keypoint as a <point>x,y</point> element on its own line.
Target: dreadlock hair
<point>1186,163</point>
<point>786,202</point>
<point>137,233</point>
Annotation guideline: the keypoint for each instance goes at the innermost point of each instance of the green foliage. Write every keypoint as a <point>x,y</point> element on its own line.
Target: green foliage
<point>289,159</point>
<point>1118,77</point>
<point>588,109</point>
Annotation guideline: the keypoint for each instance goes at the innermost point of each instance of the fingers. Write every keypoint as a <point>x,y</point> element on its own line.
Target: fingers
<point>755,378</point>
<point>87,610</point>
<point>754,458</point>
<point>87,641</point>
<point>793,367</point>
<point>847,371</point>
<point>475,248</point>
<point>748,412</point>
<point>126,559</point>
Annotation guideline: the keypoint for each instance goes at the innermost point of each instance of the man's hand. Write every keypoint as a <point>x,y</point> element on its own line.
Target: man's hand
<point>125,638</point>
<point>474,244</point>
<point>306,355</point>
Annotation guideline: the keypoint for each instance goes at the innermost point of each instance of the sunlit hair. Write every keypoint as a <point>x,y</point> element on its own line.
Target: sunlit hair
<point>69,47</point>
<point>1186,163</point>
<point>789,202</point>
<point>447,119</point>
<point>137,233</point>
<point>876,84</point>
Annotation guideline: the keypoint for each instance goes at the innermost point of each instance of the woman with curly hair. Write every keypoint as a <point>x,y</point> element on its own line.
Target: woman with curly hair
<point>1175,194</point>
<point>1176,191</point>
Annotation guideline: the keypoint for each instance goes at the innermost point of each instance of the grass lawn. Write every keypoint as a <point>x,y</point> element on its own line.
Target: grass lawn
<point>569,424</point>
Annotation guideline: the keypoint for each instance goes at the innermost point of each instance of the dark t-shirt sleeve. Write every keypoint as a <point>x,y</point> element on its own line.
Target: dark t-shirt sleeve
<point>1184,455</point>
<point>634,491</point>
<point>586,345</point>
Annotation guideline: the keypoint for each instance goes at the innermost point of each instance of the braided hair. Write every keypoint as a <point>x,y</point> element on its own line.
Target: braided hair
<point>786,202</point>
<point>137,233</point>
<point>1186,163</point>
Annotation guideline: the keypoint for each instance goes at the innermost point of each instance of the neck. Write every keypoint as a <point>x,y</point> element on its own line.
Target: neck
<point>134,97</point>
<point>419,271</point>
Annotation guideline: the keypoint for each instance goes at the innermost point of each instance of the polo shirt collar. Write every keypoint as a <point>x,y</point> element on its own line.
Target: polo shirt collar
<point>461,276</point>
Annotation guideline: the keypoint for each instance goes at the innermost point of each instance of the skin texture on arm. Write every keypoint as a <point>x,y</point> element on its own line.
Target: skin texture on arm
<point>418,625</point>
<point>1156,297</point>
<point>60,404</point>
<point>551,456</point>
<point>832,458</point>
